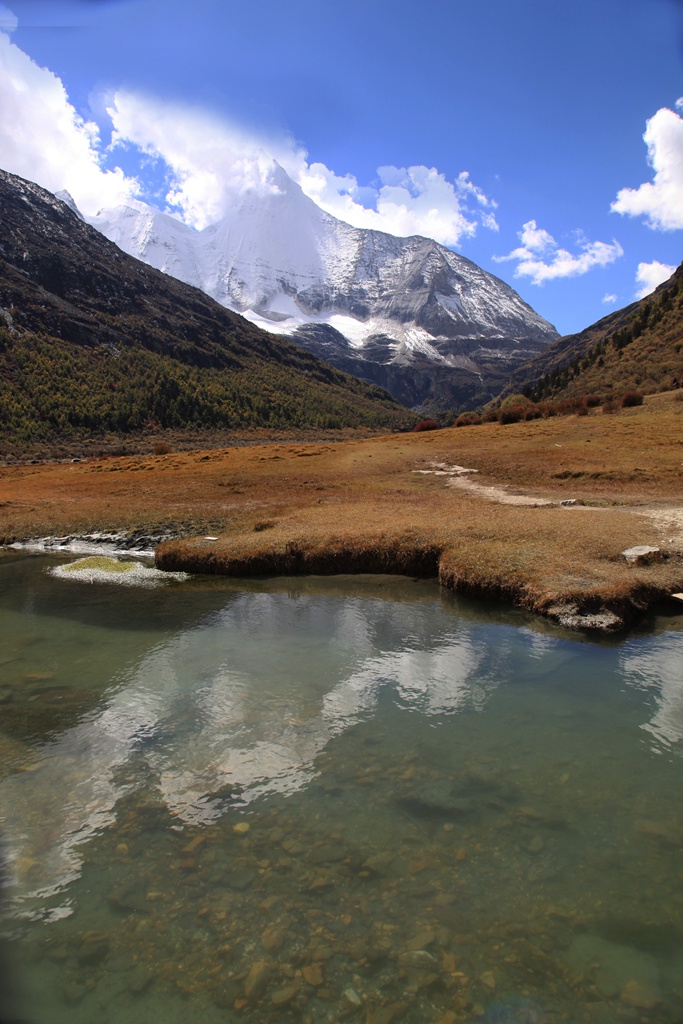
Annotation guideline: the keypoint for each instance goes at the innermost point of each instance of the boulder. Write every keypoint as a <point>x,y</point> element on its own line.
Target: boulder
<point>642,554</point>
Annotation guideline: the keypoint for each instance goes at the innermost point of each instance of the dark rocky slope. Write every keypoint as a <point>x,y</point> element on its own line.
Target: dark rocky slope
<point>91,338</point>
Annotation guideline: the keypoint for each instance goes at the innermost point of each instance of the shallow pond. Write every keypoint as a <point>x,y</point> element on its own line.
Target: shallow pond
<point>333,799</point>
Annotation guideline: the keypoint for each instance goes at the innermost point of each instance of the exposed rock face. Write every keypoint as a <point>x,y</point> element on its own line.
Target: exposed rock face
<point>405,312</point>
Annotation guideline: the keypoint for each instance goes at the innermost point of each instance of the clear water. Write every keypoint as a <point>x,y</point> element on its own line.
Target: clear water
<point>334,799</point>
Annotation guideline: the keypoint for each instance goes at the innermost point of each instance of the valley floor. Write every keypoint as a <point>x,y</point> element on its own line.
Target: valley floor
<point>95,446</point>
<point>479,507</point>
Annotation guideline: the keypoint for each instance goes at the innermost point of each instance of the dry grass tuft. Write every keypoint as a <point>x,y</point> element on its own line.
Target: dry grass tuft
<point>405,555</point>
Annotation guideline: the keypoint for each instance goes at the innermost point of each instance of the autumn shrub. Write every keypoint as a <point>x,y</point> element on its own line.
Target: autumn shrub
<point>562,407</point>
<point>593,401</point>
<point>611,407</point>
<point>631,398</point>
<point>468,419</point>
<point>568,406</point>
<point>425,425</point>
<point>512,414</point>
<point>162,448</point>
<point>516,402</point>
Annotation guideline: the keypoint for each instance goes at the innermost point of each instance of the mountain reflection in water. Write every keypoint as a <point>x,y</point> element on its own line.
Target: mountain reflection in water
<point>247,699</point>
<point>203,787</point>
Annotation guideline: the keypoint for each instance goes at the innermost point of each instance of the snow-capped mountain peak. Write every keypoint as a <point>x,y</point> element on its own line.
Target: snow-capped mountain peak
<point>405,312</point>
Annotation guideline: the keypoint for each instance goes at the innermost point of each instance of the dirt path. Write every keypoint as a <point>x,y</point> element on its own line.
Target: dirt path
<point>668,521</point>
<point>461,478</point>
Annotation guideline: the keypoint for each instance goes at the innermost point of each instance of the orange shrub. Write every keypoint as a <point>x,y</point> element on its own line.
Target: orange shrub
<point>513,414</point>
<point>468,419</point>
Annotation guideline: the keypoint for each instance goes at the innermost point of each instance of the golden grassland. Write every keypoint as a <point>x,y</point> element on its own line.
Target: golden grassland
<point>363,506</point>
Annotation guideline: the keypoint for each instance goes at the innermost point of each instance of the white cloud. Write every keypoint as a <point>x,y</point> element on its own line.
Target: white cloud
<point>208,161</point>
<point>535,238</point>
<point>43,138</point>
<point>489,221</point>
<point>414,200</point>
<point>541,259</point>
<point>660,201</point>
<point>212,162</point>
<point>649,275</point>
<point>609,299</point>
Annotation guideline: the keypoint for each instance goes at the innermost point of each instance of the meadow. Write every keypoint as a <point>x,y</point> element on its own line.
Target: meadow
<point>479,507</point>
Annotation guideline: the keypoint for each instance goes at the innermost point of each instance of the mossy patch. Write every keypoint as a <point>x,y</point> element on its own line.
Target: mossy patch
<point>104,569</point>
<point>100,562</point>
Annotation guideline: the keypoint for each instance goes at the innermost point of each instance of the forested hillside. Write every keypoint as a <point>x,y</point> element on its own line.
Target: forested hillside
<point>92,340</point>
<point>639,347</point>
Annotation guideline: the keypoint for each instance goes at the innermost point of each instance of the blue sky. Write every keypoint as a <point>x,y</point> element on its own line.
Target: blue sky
<point>511,130</point>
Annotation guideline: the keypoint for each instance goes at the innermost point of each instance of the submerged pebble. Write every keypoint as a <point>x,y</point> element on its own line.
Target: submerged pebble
<point>256,981</point>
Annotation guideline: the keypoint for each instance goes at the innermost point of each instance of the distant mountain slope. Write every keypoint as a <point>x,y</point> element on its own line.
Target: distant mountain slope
<point>407,313</point>
<point>640,347</point>
<point>93,339</point>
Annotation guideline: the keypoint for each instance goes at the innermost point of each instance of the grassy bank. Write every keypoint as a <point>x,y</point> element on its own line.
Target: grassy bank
<point>395,504</point>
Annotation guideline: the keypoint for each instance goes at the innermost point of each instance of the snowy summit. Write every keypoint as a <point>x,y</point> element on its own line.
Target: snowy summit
<point>407,313</point>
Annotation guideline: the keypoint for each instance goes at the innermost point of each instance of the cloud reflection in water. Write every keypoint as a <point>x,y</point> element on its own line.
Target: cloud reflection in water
<point>247,699</point>
<point>657,666</point>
